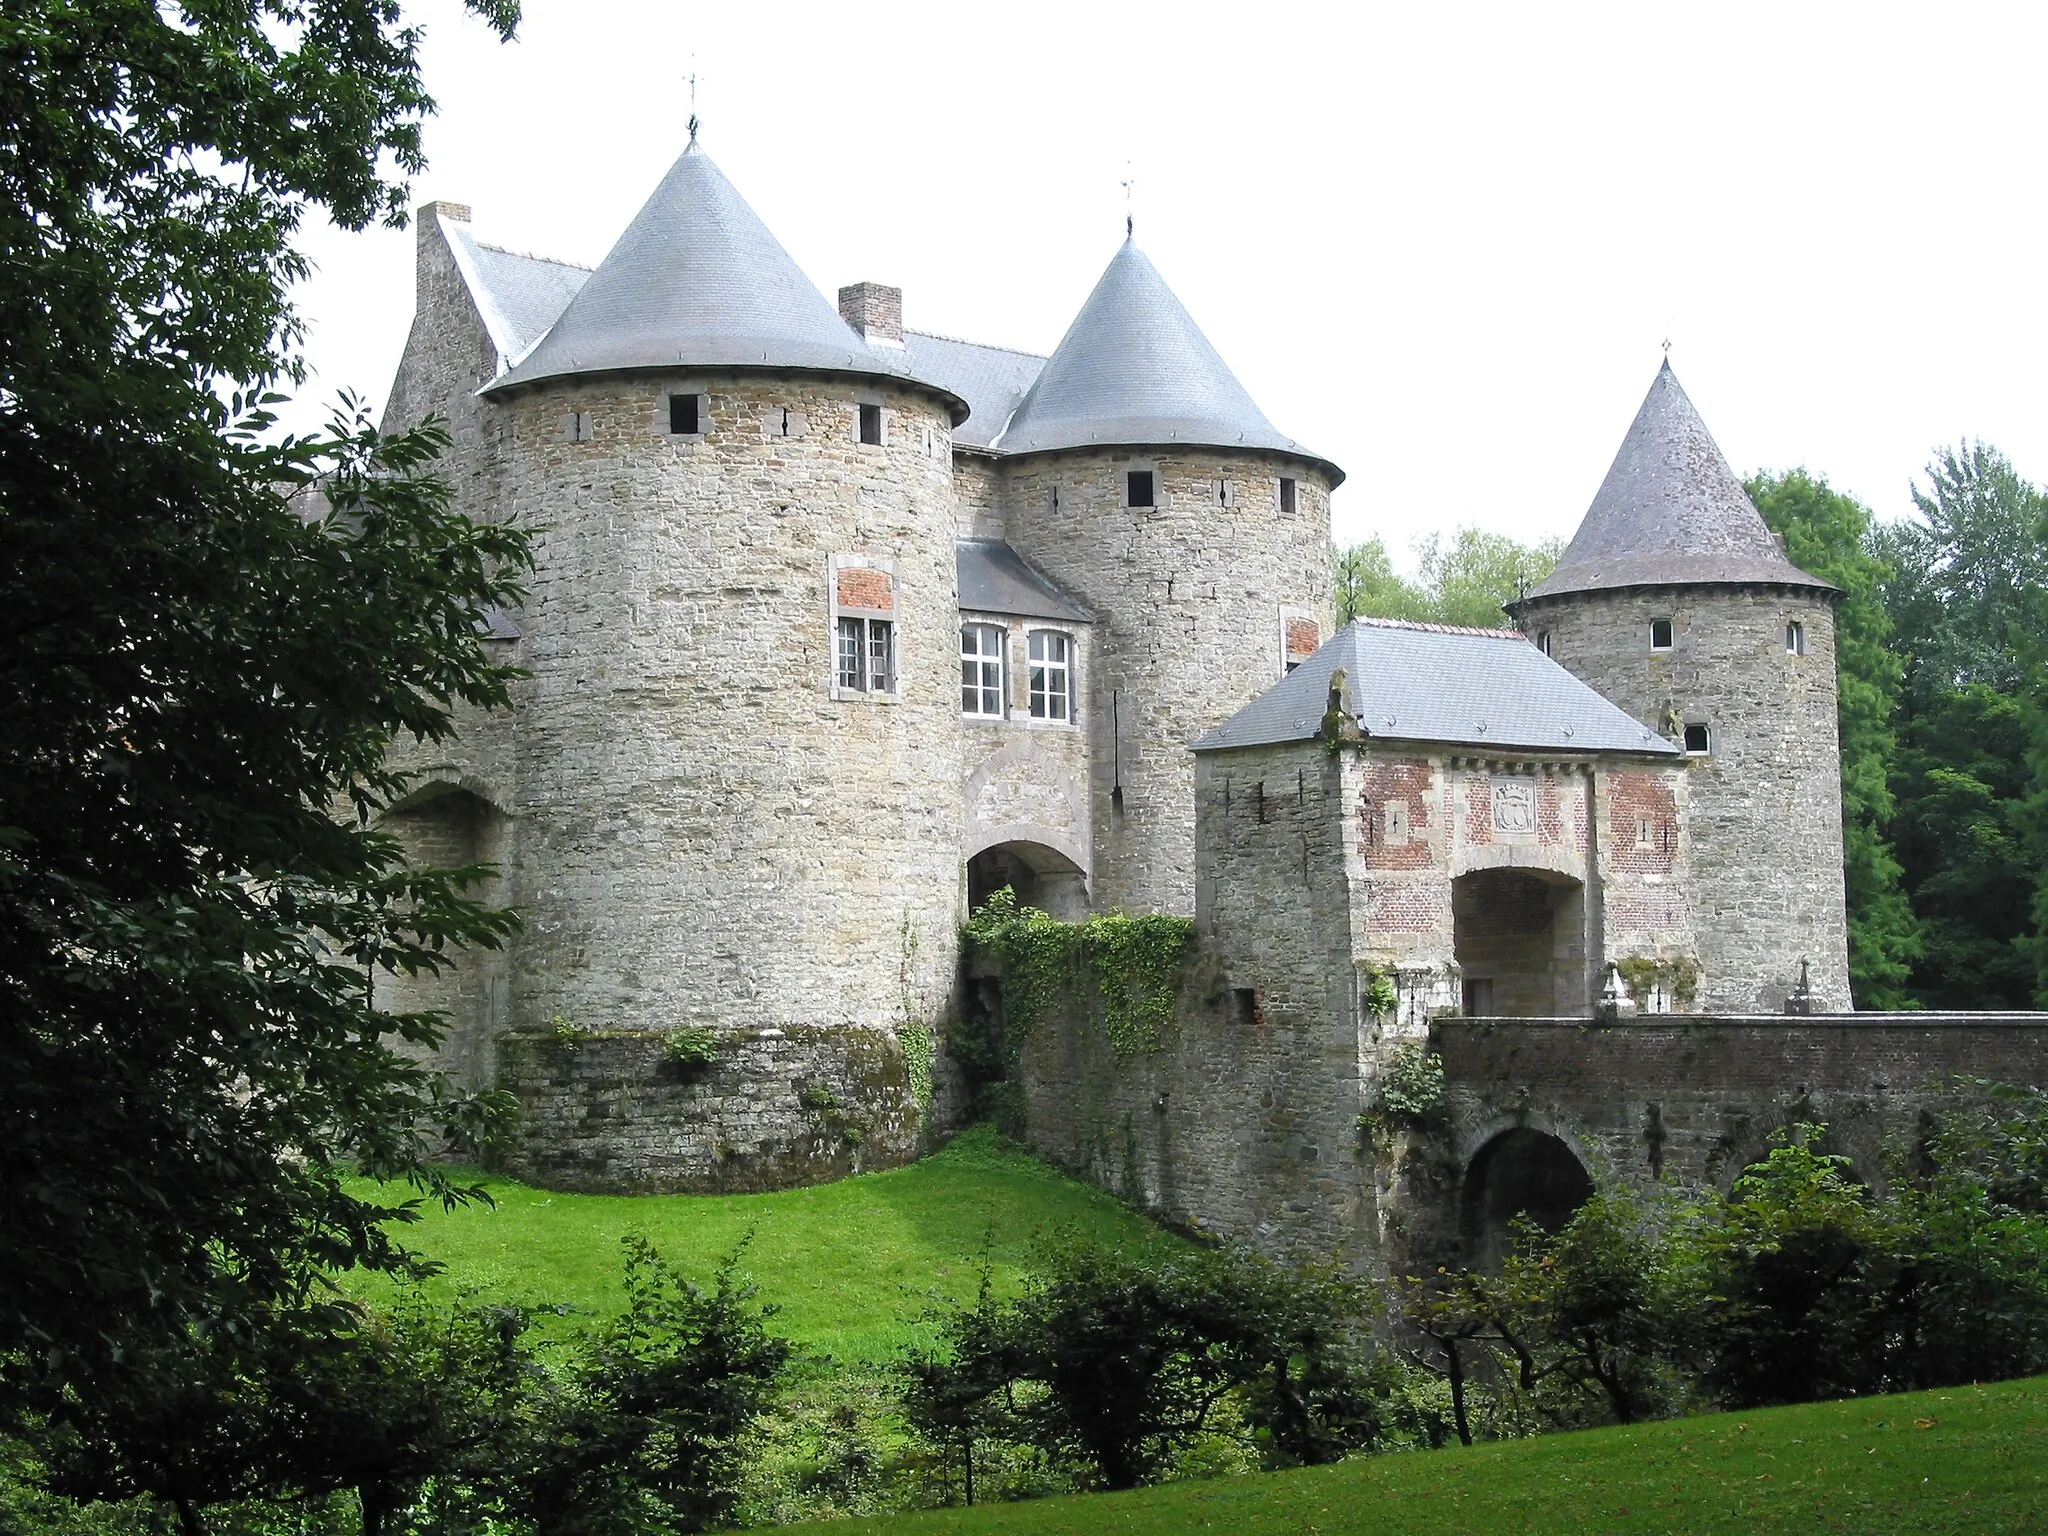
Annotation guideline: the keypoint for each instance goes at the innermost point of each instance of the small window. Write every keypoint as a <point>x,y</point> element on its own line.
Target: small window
<point>1645,832</point>
<point>1052,499</point>
<point>1660,634</point>
<point>1226,493</point>
<point>1795,639</point>
<point>1051,675</point>
<point>1543,641</point>
<point>1286,495</point>
<point>867,655</point>
<point>1138,489</point>
<point>576,427</point>
<point>981,670</point>
<point>1699,741</point>
<point>683,415</point>
<point>871,425</point>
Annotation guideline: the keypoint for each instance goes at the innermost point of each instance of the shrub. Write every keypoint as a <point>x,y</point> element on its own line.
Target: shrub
<point>693,1048</point>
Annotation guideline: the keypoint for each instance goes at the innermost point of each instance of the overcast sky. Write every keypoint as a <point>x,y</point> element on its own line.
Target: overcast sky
<point>1440,244</point>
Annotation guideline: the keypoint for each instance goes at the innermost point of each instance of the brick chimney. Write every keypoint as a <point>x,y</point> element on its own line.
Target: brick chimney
<point>875,311</point>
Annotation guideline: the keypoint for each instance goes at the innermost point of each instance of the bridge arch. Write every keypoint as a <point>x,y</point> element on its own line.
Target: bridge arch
<point>1042,876</point>
<point>1518,1172</point>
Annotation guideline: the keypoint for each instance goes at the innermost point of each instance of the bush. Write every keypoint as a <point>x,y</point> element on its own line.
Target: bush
<point>692,1048</point>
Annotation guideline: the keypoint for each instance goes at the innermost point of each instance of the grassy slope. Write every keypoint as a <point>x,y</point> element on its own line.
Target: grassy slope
<point>1966,1460</point>
<point>850,1264</point>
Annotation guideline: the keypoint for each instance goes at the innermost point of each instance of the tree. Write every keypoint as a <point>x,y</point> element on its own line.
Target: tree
<point>195,676</point>
<point>1831,535</point>
<point>1966,586</point>
<point>1465,580</point>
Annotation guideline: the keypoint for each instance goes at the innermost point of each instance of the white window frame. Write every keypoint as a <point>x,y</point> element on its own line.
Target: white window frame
<point>986,663</point>
<point>1684,741</point>
<point>1041,670</point>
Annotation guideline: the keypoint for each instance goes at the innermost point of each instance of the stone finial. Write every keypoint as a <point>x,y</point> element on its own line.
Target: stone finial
<point>1801,1000</point>
<point>876,311</point>
<point>1614,1003</point>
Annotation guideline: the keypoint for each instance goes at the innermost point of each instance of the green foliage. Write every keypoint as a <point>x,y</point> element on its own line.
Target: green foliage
<point>1951,1463</point>
<point>1832,535</point>
<point>818,1098</point>
<point>1410,1091</point>
<point>1465,579</point>
<point>916,1041</point>
<point>1381,998</point>
<point>693,1047</point>
<point>1640,973</point>
<point>564,1030</point>
<point>195,675</point>
<point>1133,964</point>
<point>1113,1366</point>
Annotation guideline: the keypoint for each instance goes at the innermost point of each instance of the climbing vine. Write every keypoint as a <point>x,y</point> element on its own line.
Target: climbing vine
<point>911,1034</point>
<point>1381,997</point>
<point>1411,1092</point>
<point>1134,964</point>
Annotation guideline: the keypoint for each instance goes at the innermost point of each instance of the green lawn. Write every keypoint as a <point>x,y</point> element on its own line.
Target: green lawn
<point>851,1265</point>
<point>1971,1459</point>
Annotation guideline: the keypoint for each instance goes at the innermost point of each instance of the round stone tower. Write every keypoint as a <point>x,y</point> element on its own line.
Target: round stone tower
<point>742,638</point>
<point>1139,475</point>
<point>1677,603</point>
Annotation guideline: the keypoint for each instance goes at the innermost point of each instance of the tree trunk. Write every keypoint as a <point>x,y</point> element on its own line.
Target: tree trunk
<point>189,1521</point>
<point>1456,1373</point>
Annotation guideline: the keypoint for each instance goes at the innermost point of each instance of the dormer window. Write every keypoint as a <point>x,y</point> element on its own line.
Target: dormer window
<point>1286,496</point>
<point>685,415</point>
<point>1660,634</point>
<point>1139,490</point>
<point>871,425</point>
<point>1795,639</point>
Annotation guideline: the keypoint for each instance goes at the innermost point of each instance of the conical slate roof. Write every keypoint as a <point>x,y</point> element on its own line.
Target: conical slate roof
<point>1671,512</point>
<point>1134,370</point>
<point>697,281</point>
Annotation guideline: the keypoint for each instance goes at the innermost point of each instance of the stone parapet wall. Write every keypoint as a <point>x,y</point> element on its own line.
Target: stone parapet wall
<point>609,1113</point>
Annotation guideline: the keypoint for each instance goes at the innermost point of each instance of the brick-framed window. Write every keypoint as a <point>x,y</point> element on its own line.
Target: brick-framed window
<point>1301,636</point>
<point>981,670</point>
<point>1050,655</point>
<point>864,628</point>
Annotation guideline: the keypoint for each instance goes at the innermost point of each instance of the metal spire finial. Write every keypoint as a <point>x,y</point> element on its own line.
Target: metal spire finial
<point>693,103</point>
<point>1129,185</point>
<point>1667,349</point>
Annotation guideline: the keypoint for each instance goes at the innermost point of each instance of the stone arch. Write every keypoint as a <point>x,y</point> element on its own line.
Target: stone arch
<point>1042,876</point>
<point>1518,1172</point>
<point>1519,934</point>
<point>445,824</point>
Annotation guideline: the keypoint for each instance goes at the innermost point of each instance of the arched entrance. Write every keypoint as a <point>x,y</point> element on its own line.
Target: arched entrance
<point>1520,937</point>
<point>1518,1173</point>
<point>1042,877</point>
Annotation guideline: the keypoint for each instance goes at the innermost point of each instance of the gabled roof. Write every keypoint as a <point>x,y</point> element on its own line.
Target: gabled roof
<point>697,281</point>
<point>518,296</point>
<point>1670,512</point>
<point>990,379</point>
<point>1134,370</point>
<point>994,578</point>
<point>1484,688</point>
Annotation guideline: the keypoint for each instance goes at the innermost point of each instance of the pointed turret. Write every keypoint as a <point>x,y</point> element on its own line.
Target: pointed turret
<point>1671,512</point>
<point>1134,370</point>
<point>697,281</point>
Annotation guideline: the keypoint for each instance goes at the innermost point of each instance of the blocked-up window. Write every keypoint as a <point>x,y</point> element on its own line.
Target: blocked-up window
<point>981,670</point>
<point>1052,675</point>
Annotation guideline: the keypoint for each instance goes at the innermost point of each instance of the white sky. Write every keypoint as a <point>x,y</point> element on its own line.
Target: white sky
<point>1440,244</point>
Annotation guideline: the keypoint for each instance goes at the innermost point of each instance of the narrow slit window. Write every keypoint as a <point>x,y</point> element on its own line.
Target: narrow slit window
<point>1699,741</point>
<point>981,670</point>
<point>1543,641</point>
<point>1660,634</point>
<point>1051,675</point>
<point>1226,493</point>
<point>684,417</point>
<point>1795,639</point>
<point>1287,495</point>
<point>1644,832</point>
<point>871,425</point>
<point>1138,488</point>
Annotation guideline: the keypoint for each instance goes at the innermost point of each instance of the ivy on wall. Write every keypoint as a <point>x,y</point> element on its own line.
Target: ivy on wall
<point>1133,964</point>
<point>1680,977</point>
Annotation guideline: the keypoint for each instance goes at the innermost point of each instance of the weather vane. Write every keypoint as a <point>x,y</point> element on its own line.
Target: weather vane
<point>1667,349</point>
<point>1129,184</point>
<point>693,101</point>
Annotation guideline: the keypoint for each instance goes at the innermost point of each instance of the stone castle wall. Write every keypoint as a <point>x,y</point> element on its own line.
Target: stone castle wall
<point>1189,597</point>
<point>1765,817</point>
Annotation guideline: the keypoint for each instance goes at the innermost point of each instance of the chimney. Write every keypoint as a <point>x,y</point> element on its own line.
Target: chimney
<point>875,311</point>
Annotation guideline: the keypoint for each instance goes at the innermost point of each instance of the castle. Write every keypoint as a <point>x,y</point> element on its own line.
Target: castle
<point>836,627</point>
